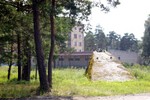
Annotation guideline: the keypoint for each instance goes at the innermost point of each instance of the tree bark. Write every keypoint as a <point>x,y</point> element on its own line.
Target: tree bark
<point>39,50</point>
<point>36,69</point>
<point>50,60</point>
<point>10,63</point>
<point>27,61</point>
<point>54,61</point>
<point>9,71</point>
<point>19,56</point>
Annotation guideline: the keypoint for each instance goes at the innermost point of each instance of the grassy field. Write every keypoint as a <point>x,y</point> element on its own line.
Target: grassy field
<point>72,82</point>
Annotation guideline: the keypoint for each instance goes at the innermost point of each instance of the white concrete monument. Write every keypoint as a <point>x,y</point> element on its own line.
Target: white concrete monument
<point>104,66</point>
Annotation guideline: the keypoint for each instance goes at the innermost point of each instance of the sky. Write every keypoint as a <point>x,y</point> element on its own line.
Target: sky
<point>128,17</point>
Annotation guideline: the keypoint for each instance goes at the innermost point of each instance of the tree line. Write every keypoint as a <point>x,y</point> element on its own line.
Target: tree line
<point>127,42</point>
<point>94,41</point>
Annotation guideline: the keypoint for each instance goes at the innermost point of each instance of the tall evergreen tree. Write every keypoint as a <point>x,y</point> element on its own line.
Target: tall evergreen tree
<point>113,40</point>
<point>89,43</point>
<point>146,43</point>
<point>100,39</point>
<point>38,45</point>
<point>128,42</point>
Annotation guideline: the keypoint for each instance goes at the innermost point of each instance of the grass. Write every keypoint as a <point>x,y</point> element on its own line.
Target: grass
<point>72,82</point>
<point>13,88</point>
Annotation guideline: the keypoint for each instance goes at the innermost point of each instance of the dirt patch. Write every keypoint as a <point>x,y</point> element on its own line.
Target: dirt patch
<point>145,96</point>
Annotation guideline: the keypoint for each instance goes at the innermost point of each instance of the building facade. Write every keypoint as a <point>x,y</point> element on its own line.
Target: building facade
<point>76,59</point>
<point>76,39</point>
<point>128,57</point>
<point>81,59</point>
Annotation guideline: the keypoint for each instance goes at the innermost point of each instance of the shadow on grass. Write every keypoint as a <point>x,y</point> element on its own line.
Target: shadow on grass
<point>15,81</point>
<point>42,98</point>
<point>50,98</point>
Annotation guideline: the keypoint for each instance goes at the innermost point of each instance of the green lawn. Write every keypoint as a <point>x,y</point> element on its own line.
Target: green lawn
<point>72,82</point>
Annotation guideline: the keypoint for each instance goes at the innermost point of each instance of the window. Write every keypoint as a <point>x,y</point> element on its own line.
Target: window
<point>80,29</point>
<point>61,59</point>
<point>75,28</point>
<point>70,59</point>
<point>87,58</point>
<point>77,59</point>
<point>75,43</point>
<point>75,35</point>
<point>80,36</point>
<point>80,44</point>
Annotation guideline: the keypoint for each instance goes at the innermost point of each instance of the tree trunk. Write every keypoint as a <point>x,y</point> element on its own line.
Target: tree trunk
<point>50,60</point>
<point>9,71</point>
<point>36,69</point>
<point>27,62</point>
<point>10,63</point>
<point>19,56</point>
<point>27,69</point>
<point>54,61</point>
<point>39,50</point>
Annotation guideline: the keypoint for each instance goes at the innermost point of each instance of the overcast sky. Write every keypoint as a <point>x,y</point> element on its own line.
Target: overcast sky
<point>129,17</point>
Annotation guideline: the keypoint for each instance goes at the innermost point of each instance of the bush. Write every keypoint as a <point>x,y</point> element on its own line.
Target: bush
<point>140,72</point>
